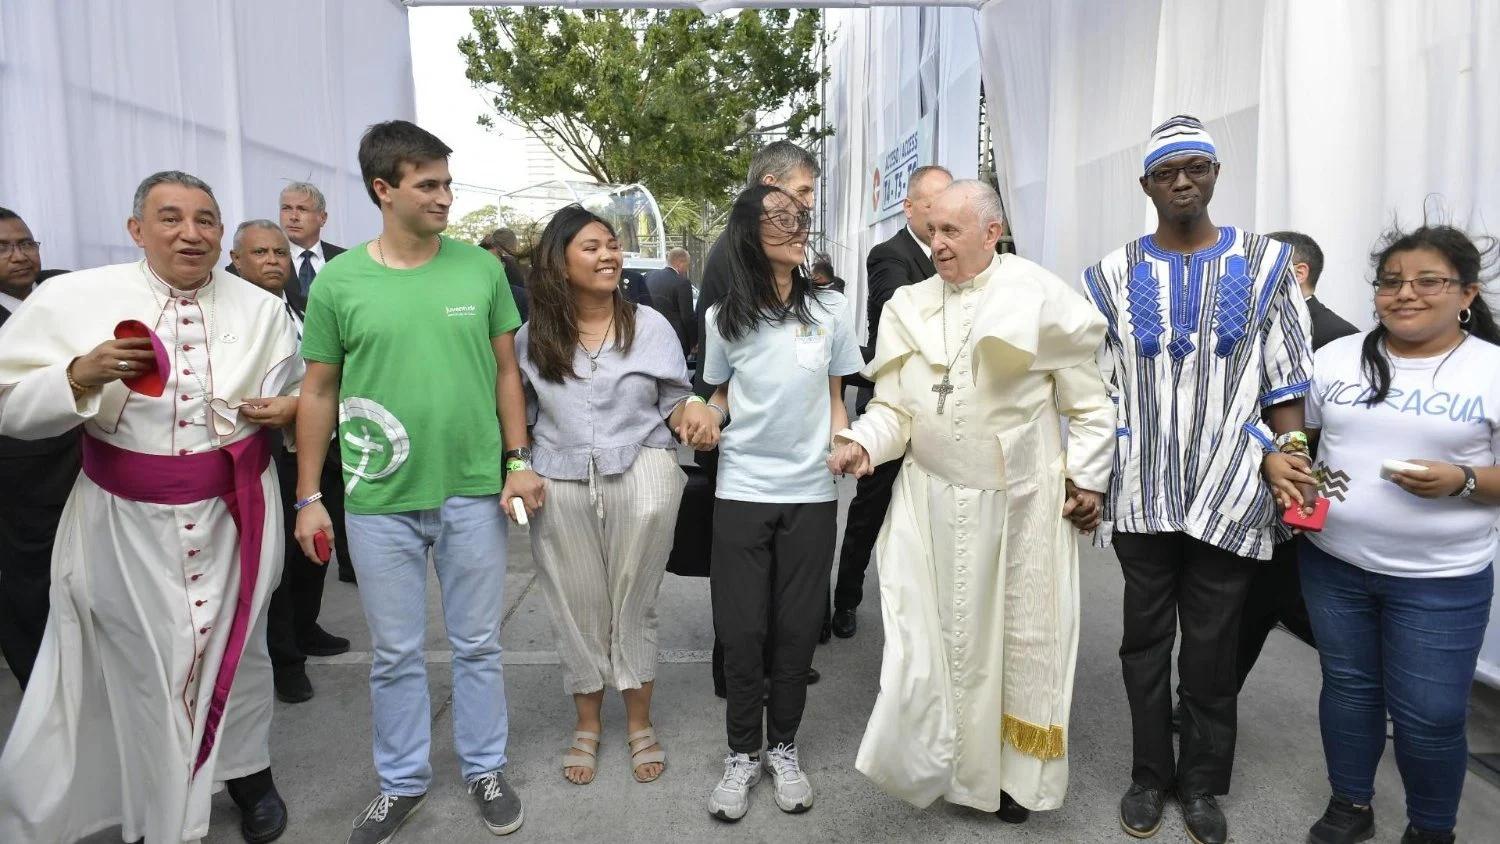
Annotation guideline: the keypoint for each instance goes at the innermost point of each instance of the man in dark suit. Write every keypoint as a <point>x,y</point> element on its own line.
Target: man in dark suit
<point>37,476</point>
<point>796,171</point>
<point>304,212</point>
<point>1276,592</point>
<point>903,259</point>
<point>262,256</point>
<point>672,295</point>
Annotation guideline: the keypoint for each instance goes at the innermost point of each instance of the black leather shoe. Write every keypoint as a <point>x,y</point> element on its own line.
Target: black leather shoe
<point>813,676</point>
<point>320,642</point>
<point>1203,818</point>
<point>262,821</point>
<point>844,623</point>
<point>292,685</point>
<point>1422,836</point>
<point>1010,811</point>
<point>1343,823</point>
<point>347,576</point>
<point>1140,810</point>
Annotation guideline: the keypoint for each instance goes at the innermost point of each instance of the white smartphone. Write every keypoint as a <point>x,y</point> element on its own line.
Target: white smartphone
<point>1391,467</point>
<point>519,508</point>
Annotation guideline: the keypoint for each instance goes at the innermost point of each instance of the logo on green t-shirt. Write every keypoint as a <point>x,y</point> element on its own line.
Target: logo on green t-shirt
<point>377,435</point>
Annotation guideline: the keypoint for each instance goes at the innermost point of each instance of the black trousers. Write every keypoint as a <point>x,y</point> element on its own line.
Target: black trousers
<point>298,598</point>
<point>26,536</point>
<point>1173,579</point>
<point>769,579</point>
<point>872,497</point>
<point>1275,596</point>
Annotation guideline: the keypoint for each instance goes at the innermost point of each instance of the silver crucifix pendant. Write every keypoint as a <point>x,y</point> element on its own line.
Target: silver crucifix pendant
<point>942,389</point>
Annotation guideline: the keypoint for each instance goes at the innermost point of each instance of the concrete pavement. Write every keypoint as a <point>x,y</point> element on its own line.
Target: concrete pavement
<point>321,749</point>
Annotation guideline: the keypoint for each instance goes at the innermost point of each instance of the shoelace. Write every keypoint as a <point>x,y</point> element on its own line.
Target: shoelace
<point>738,769</point>
<point>379,809</point>
<point>784,760</point>
<point>491,785</point>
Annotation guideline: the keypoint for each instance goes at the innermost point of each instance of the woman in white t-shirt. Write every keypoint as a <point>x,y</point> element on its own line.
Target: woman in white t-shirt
<point>1398,583</point>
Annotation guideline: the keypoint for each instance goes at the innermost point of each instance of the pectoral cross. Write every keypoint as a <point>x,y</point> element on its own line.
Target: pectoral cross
<point>942,389</point>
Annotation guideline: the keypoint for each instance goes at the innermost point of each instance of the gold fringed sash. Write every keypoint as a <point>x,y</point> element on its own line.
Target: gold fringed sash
<point>1032,739</point>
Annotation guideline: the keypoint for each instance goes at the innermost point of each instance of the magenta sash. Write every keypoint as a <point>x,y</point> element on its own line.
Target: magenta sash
<point>231,474</point>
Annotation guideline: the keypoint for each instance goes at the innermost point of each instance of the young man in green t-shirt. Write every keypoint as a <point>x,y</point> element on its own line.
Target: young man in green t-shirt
<point>409,341</point>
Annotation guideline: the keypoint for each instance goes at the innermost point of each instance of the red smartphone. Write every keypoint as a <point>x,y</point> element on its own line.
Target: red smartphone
<point>320,547</point>
<point>1293,517</point>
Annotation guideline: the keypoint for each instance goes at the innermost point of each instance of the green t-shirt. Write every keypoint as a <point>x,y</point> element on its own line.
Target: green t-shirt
<point>417,417</point>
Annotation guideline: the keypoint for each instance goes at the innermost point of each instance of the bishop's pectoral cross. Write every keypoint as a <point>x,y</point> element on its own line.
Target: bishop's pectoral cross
<point>943,389</point>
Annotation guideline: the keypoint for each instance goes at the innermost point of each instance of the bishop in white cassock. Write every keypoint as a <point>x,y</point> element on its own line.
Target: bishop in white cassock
<point>153,682</point>
<point>975,371</point>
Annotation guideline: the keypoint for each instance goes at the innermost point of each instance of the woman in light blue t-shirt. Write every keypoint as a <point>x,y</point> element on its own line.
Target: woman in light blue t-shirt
<point>776,347</point>
<point>1398,583</point>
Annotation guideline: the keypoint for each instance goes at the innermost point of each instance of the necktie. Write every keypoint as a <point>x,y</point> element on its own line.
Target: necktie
<point>305,272</point>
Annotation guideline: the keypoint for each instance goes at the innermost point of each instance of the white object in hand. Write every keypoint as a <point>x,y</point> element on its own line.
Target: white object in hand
<point>519,508</point>
<point>1391,467</point>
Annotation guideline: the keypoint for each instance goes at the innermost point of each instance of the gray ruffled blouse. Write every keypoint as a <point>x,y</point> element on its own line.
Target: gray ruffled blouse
<point>607,415</point>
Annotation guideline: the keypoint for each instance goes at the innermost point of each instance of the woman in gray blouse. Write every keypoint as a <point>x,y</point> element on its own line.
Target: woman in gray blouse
<point>606,387</point>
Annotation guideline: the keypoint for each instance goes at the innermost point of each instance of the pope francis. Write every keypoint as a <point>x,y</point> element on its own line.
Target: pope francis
<point>976,370</point>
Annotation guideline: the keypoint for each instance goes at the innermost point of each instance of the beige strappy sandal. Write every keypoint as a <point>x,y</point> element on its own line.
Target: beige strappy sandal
<point>580,756</point>
<point>639,742</point>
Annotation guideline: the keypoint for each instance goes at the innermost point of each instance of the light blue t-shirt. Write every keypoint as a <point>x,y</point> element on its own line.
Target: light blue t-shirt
<point>776,444</point>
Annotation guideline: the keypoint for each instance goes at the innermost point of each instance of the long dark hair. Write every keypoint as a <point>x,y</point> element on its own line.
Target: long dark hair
<point>554,326</point>
<point>1466,257</point>
<point>750,296</point>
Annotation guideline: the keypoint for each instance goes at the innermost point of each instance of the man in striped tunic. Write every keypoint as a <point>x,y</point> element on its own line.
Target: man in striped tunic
<point>1207,359</point>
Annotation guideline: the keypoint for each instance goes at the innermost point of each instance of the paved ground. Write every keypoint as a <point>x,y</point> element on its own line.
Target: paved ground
<point>322,757</point>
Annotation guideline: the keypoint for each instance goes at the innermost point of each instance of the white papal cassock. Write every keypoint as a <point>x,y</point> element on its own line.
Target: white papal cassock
<point>978,567</point>
<point>136,709</point>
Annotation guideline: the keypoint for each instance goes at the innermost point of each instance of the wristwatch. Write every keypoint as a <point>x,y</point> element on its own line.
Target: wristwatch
<point>523,453</point>
<point>1470,482</point>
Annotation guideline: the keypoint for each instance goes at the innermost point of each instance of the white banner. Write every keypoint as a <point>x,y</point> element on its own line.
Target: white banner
<point>892,170</point>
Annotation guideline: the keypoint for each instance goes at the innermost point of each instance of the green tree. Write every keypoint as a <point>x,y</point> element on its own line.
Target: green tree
<point>473,226</point>
<point>672,99</point>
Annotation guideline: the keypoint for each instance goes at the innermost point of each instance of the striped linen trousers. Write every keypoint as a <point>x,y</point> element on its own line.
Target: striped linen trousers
<point>601,574</point>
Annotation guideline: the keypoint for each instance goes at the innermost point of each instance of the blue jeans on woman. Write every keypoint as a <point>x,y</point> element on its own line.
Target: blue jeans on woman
<point>466,537</point>
<point>1407,645</point>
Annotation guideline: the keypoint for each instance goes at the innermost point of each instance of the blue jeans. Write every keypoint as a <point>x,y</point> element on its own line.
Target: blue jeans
<point>467,538</point>
<point>1404,644</point>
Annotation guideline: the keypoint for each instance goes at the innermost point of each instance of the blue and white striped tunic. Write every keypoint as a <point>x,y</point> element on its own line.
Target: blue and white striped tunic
<point>1198,346</point>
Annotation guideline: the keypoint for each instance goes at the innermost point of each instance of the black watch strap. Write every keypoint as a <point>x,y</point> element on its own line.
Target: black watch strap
<point>1470,482</point>
<point>522,453</point>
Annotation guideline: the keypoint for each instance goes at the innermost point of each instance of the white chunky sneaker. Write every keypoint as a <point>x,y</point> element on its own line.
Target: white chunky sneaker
<point>794,791</point>
<point>731,798</point>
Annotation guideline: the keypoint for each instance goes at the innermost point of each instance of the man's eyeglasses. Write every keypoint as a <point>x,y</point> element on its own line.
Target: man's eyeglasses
<point>1167,175</point>
<point>1430,285</point>
<point>28,246</point>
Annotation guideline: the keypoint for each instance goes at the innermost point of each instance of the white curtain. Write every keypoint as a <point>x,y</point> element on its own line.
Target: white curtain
<point>1332,118</point>
<point>246,96</point>
<point>890,67</point>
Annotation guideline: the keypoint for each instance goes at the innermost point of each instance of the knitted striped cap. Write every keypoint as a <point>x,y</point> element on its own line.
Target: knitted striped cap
<point>1179,136</point>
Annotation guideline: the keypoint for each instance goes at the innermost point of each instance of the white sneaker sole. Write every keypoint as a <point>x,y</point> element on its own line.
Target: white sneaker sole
<point>794,808</point>
<point>510,827</point>
<point>726,813</point>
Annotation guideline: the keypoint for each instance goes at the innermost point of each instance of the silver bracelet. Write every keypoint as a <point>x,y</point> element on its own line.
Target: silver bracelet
<point>723,412</point>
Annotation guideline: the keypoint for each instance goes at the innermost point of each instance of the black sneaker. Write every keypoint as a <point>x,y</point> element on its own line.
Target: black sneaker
<point>499,805</point>
<point>319,642</point>
<point>1203,818</point>
<point>292,685</point>
<point>380,820</point>
<point>1140,810</point>
<point>1343,823</point>
<point>1422,836</point>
